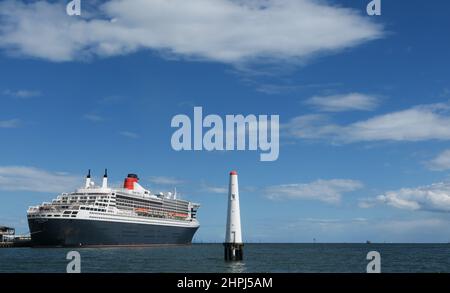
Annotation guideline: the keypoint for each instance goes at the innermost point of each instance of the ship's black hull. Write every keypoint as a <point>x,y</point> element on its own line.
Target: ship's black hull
<point>77,232</point>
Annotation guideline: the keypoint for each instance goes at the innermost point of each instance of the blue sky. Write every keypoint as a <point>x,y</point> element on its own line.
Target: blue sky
<point>363,104</point>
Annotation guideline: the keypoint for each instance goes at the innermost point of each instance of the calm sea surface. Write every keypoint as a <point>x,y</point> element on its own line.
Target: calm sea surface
<point>258,258</point>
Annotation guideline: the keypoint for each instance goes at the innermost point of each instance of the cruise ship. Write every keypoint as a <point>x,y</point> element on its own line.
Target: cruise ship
<point>102,216</point>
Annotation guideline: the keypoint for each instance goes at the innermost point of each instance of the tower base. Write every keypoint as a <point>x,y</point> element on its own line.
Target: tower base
<point>234,251</point>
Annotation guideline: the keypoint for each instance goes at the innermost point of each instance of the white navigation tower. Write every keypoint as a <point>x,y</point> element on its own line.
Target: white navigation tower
<point>233,237</point>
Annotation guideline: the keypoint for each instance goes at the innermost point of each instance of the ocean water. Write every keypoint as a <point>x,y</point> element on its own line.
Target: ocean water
<point>204,258</point>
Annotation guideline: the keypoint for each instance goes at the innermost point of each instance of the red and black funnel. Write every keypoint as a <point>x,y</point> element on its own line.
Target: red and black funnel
<point>130,180</point>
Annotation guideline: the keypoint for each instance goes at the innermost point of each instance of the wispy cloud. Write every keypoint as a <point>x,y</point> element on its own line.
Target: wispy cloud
<point>287,86</point>
<point>423,122</point>
<point>129,134</point>
<point>24,178</point>
<point>223,189</point>
<point>219,30</point>
<point>93,117</point>
<point>434,197</point>
<point>162,180</point>
<point>329,191</point>
<point>366,203</point>
<point>12,123</point>
<point>275,89</point>
<point>326,222</point>
<point>111,100</point>
<point>413,226</point>
<point>445,93</point>
<point>345,102</point>
<point>376,229</point>
<point>214,189</point>
<point>441,162</point>
<point>22,94</point>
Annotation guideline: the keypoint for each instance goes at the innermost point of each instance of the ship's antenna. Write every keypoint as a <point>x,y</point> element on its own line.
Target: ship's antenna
<point>175,193</point>
<point>88,179</point>
<point>105,179</point>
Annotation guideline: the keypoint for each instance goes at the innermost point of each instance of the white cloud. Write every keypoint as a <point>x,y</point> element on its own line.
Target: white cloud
<point>328,221</point>
<point>414,228</point>
<point>329,191</point>
<point>366,203</point>
<point>434,197</point>
<point>441,162</point>
<point>346,102</point>
<point>215,189</point>
<point>93,118</point>
<point>22,94</point>
<point>424,122</point>
<point>162,180</point>
<point>12,123</point>
<point>129,134</point>
<point>22,178</point>
<point>218,30</point>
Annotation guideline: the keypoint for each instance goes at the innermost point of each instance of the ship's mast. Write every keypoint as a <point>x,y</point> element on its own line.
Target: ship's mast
<point>88,179</point>
<point>105,180</point>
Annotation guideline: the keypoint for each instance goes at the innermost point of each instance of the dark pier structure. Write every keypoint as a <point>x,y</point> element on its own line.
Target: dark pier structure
<point>8,238</point>
<point>234,251</point>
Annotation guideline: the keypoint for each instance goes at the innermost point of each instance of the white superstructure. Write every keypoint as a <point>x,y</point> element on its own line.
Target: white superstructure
<point>131,203</point>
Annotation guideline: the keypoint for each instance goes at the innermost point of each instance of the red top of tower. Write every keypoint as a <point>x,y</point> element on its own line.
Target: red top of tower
<point>233,173</point>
